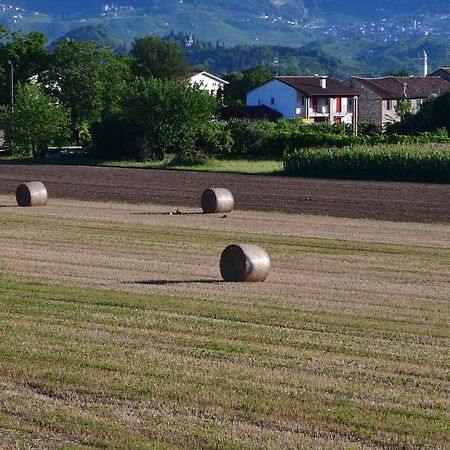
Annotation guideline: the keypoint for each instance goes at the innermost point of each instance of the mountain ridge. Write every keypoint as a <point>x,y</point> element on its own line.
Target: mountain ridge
<point>385,34</point>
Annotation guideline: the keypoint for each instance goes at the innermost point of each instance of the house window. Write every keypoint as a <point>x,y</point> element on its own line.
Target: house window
<point>272,101</point>
<point>389,105</point>
<point>419,103</point>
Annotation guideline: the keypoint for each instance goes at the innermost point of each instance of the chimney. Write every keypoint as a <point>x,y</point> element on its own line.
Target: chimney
<point>323,82</point>
<point>425,64</point>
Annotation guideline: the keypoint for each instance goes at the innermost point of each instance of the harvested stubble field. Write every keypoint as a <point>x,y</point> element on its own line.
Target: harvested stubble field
<point>116,330</point>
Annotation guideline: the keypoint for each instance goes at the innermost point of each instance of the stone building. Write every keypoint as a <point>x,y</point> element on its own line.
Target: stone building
<point>379,98</point>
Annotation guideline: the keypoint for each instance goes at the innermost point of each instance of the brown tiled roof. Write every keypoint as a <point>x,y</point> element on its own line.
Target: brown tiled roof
<point>311,86</point>
<point>397,88</point>
<point>441,69</point>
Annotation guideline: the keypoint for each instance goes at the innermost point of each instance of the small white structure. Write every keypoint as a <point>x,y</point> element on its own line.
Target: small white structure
<point>208,82</point>
<point>424,59</point>
<point>310,98</point>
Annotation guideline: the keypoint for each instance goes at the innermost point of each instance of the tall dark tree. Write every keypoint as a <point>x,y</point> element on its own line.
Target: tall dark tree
<point>21,57</point>
<point>152,57</point>
<point>86,79</point>
<point>156,116</point>
<point>433,116</point>
<point>243,82</point>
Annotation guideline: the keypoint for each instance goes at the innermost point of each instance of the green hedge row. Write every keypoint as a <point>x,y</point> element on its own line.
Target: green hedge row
<point>262,139</point>
<point>394,163</point>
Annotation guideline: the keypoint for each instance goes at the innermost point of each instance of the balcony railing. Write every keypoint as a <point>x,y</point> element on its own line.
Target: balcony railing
<point>319,111</point>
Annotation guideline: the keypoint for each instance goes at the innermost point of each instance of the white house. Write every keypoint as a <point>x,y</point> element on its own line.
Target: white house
<point>208,82</point>
<point>311,98</point>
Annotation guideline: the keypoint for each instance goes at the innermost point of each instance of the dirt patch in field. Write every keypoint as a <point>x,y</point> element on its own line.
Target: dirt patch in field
<point>407,202</point>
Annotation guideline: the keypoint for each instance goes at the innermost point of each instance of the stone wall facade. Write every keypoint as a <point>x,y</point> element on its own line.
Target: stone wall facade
<point>370,108</point>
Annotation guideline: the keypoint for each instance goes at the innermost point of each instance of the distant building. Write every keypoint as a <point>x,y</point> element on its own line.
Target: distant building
<point>379,97</point>
<point>443,72</point>
<point>208,82</point>
<point>310,98</point>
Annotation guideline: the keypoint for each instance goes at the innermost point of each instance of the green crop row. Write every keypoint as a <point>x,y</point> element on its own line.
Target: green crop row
<point>425,163</point>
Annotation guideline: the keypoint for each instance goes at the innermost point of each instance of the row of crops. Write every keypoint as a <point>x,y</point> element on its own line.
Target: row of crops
<point>408,162</point>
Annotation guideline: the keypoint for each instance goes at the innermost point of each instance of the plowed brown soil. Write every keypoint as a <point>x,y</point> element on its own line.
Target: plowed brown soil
<point>411,202</point>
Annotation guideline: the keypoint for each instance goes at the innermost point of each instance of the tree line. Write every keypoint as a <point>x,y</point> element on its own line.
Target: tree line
<point>140,105</point>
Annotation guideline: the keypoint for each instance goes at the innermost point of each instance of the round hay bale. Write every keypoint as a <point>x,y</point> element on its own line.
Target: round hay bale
<point>32,193</point>
<point>217,200</point>
<point>244,262</point>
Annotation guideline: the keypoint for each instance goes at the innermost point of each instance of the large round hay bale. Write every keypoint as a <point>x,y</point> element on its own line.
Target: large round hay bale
<point>244,262</point>
<point>32,193</point>
<point>217,200</point>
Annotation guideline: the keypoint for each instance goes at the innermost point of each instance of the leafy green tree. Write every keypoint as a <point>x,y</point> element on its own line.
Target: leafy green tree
<point>433,116</point>
<point>26,53</point>
<point>403,109</point>
<point>401,73</point>
<point>152,57</point>
<point>86,79</point>
<point>36,121</point>
<point>243,82</point>
<point>156,116</point>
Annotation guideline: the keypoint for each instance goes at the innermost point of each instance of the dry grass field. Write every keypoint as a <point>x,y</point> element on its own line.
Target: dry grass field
<point>116,331</point>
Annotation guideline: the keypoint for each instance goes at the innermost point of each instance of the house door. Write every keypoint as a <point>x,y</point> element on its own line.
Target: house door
<point>338,105</point>
<point>314,104</point>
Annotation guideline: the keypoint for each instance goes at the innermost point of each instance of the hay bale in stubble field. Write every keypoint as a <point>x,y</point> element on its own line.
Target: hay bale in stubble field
<point>217,200</point>
<point>244,262</point>
<point>32,193</point>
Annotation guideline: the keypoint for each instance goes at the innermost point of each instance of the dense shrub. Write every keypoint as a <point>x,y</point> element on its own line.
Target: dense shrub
<point>215,138</point>
<point>403,163</point>
<point>154,117</point>
<point>433,115</point>
<point>250,138</point>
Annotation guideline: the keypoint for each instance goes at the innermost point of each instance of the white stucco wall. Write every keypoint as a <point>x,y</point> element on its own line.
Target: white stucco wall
<point>284,96</point>
<point>206,83</point>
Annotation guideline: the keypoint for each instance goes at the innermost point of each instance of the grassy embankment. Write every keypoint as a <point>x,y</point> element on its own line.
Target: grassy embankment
<point>394,162</point>
<point>115,331</point>
<point>248,166</point>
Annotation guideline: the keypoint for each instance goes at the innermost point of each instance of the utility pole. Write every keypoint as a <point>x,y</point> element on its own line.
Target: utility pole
<point>276,64</point>
<point>12,84</point>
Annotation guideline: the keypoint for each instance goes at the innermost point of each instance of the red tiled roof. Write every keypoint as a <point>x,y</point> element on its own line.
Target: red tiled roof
<point>311,86</point>
<point>397,88</point>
